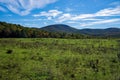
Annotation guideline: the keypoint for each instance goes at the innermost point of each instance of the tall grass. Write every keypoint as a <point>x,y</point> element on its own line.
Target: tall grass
<point>59,59</point>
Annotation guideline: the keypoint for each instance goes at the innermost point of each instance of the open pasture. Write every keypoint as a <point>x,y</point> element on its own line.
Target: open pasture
<point>59,59</point>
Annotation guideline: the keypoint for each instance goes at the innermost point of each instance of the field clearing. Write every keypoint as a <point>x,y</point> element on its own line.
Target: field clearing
<point>59,59</point>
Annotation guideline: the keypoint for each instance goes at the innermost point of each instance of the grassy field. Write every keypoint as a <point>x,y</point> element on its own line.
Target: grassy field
<point>59,59</point>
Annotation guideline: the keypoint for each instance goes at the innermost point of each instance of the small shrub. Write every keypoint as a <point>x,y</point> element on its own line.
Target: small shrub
<point>9,51</point>
<point>72,76</point>
<point>114,60</point>
<point>94,65</point>
<point>118,55</point>
<point>40,58</point>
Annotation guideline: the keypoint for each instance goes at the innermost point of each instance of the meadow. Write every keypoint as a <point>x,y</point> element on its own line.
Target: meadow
<point>59,59</point>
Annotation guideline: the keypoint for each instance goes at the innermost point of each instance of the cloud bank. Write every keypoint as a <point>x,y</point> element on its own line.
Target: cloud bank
<point>61,16</point>
<point>50,14</point>
<point>24,7</point>
<point>102,13</point>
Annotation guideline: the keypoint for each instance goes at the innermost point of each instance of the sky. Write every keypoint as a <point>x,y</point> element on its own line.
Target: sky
<point>75,13</point>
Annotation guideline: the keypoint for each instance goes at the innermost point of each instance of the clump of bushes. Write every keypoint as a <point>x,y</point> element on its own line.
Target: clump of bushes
<point>118,55</point>
<point>72,75</point>
<point>9,51</point>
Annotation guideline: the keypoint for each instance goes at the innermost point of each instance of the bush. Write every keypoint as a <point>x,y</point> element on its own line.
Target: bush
<point>9,51</point>
<point>118,55</point>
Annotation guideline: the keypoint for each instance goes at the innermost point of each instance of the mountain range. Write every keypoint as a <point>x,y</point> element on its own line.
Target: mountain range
<point>110,32</point>
<point>55,31</point>
<point>59,28</point>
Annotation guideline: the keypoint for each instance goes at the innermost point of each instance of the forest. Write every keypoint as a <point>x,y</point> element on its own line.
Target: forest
<point>8,30</point>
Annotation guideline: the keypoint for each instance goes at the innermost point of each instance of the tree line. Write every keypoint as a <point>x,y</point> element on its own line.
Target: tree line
<point>8,30</point>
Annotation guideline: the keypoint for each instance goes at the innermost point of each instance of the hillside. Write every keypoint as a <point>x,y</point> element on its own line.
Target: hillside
<point>109,32</point>
<point>59,28</point>
<point>55,31</point>
<point>8,30</point>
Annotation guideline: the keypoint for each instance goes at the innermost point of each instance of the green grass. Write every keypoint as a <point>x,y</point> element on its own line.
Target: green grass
<point>59,59</point>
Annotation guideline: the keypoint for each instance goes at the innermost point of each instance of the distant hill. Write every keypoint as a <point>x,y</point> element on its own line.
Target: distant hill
<point>55,31</point>
<point>8,30</point>
<point>59,28</point>
<point>110,32</point>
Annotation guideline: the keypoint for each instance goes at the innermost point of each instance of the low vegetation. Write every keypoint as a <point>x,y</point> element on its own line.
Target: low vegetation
<point>59,59</point>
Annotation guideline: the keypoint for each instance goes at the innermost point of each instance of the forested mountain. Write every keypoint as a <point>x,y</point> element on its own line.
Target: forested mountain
<point>8,30</point>
<point>109,32</point>
<point>59,28</point>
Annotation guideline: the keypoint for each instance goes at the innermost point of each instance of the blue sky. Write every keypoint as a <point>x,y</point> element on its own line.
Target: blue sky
<point>76,13</point>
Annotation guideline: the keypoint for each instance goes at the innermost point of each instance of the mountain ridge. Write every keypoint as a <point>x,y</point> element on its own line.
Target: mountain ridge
<point>94,32</point>
<point>55,30</point>
<point>59,28</point>
<point>8,30</point>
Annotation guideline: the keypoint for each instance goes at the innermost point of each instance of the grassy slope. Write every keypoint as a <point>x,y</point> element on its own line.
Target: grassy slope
<point>59,59</point>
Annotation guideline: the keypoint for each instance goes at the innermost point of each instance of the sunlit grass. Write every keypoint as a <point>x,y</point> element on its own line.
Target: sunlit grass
<point>59,59</point>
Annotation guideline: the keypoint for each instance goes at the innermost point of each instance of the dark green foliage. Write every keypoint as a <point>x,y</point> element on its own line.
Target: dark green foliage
<point>94,65</point>
<point>9,51</point>
<point>118,55</point>
<point>72,76</point>
<point>8,30</point>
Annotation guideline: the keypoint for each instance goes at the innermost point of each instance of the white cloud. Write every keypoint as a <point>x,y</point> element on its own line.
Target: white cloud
<point>109,12</point>
<point>49,18</point>
<point>24,7</point>
<point>91,19</point>
<point>68,16</point>
<point>102,13</point>
<point>50,14</point>
<point>64,17</point>
<point>82,16</point>
<point>15,10</point>
<point>2,9</point>
<point>101,17</point>
<point>100,22</point>
<point>45,23</point>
